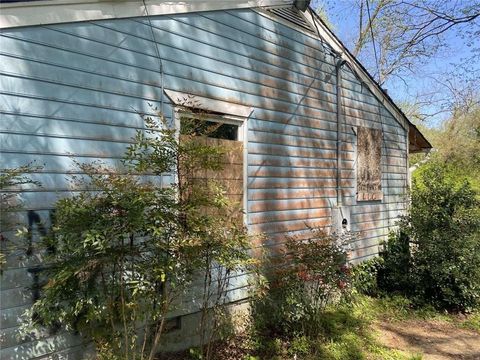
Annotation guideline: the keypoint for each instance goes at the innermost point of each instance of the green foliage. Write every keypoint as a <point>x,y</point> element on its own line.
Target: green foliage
<point>444,230</point>
<point>457,148</point>
<point>126,251</point>
<point>343,332</point>
<point>365,276</point>
<point>299,346</point>
<point>434,258</point>
<point>309,275</point>
<point>472,322</point>
<point>396,264</point>
<point>460,143</point>
<point>346,332</point>
<point>10,181</point>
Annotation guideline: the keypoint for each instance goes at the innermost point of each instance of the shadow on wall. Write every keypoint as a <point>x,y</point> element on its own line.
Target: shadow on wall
<point>75,91</point>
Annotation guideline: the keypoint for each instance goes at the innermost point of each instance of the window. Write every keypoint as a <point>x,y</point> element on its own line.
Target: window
<point>223,124</point>
<point>369,168</point>
<point>210,129</point>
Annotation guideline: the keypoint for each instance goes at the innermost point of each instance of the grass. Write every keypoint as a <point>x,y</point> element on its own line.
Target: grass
<point>399,308</point>
<point>345,333</point>
<point>472,322</point>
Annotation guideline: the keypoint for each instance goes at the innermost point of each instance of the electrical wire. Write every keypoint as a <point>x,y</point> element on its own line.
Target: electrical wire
<point>159,58</point>
<point>324,44</point>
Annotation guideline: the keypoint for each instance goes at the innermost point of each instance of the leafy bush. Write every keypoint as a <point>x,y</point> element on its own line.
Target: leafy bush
<point>435,256</point>
<point>306,277</point>
<point>396,265</point>
<point>126,252</point>
<point>365,276</point>
<point>444,228</point>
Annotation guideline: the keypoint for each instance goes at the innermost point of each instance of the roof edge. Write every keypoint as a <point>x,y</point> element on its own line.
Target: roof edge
<point>422,144</point>
<point>31,13</point>
<point>417,141</point>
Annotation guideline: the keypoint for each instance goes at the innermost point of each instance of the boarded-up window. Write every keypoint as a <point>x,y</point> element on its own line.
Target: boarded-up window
<point>369,170</point>
<point>230,176</point>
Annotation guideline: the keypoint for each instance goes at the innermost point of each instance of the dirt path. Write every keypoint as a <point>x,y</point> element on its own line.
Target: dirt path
<point>434,340</point>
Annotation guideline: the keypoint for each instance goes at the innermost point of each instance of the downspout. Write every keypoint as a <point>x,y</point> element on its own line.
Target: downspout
<point>338,68</point>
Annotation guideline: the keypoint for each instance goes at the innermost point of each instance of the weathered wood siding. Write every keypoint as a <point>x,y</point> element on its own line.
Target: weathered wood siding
<point>74,90</point>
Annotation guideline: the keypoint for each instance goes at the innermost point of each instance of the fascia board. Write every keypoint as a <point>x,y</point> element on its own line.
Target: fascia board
<point>66,11</point>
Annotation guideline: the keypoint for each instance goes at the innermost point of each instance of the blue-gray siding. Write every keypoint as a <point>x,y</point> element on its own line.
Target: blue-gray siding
<point>75,90</point>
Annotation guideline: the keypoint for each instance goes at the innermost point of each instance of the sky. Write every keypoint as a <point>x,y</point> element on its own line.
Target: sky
<point>424,82</point>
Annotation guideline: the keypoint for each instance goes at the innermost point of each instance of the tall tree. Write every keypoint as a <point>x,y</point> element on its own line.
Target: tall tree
<point>395,39</point>
<point>406,34</point>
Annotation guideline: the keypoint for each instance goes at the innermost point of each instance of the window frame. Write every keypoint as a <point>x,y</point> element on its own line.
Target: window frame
<point>372,196</point>
<point>213,117</point>
<point>221,111</point>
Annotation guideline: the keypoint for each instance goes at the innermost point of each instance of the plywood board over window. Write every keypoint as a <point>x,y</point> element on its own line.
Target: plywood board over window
<point>369,168</point>
<point>228,122</point>
<point>230,176</point>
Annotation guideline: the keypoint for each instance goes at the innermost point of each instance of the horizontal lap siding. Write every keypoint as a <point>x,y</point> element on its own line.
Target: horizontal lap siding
<point>61,100</point>
<point>73,92</point>
<point>375,219</point>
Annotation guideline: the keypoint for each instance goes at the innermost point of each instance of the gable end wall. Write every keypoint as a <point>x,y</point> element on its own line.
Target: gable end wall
<point>75,90</point>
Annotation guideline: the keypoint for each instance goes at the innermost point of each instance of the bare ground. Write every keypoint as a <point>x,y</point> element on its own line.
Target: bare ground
<point>435,340</point>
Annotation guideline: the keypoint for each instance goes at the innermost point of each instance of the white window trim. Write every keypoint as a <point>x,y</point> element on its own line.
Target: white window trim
<point>209,104</point>
<point>228,113</point>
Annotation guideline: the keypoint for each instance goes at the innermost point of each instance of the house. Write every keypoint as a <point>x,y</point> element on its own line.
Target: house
<point>321,143</point>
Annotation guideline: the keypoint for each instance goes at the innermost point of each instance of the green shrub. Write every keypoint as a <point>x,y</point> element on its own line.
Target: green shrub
<point>394,274</point>
<point>309,275</point>
<point>126,253</point>
<point>435,257</point>
<point>365,276</point>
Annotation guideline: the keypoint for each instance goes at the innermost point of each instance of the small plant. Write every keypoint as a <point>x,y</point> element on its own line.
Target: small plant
<point>309,275</point>
<point>299,347</point>
<point>365,276</point>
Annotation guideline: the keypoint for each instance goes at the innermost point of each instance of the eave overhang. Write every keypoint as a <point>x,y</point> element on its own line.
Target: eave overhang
<point>31,13</point>
<point>417,141</point>
<point>44,12</point>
